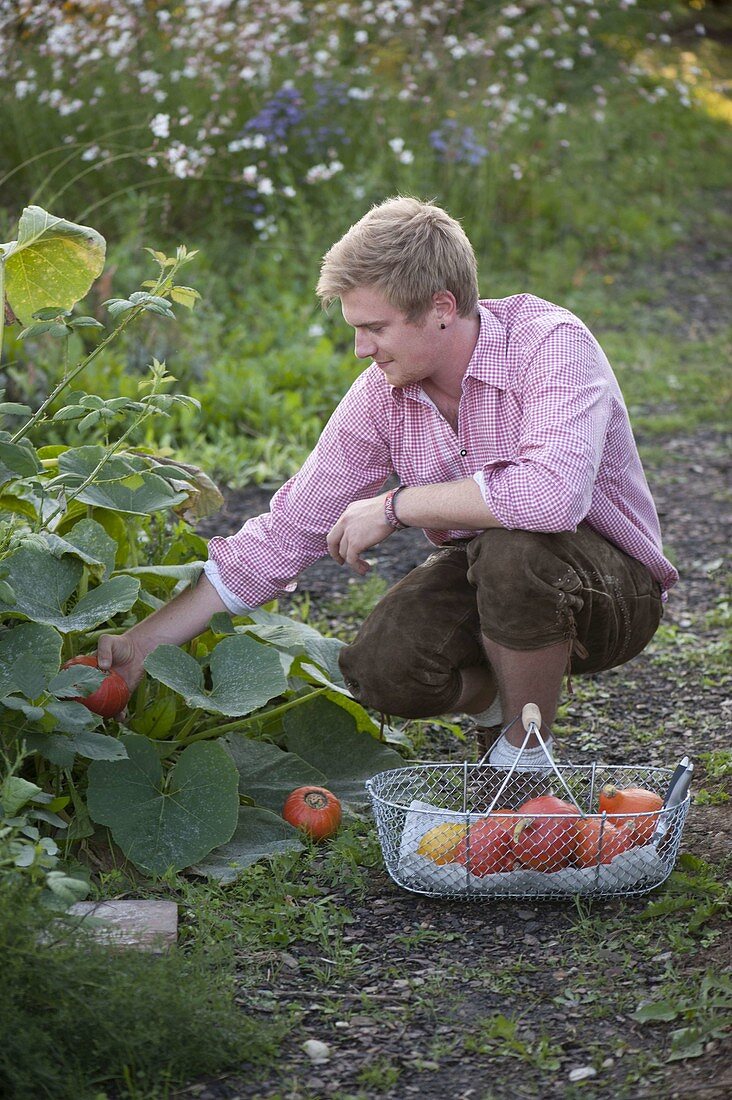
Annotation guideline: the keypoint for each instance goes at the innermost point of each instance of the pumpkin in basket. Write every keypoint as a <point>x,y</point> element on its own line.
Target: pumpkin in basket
<point>486,848</point>
<point>441,842</point>
<point>600,842</point>
<point>545,837</point>
<point>616,801</point>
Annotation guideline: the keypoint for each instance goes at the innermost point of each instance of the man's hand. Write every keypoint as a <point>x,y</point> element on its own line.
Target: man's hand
<point>173,624</point>
<point>362,525</point>
<point>120,654</point>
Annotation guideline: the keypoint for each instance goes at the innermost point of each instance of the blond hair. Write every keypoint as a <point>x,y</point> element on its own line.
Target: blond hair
<point>407,249</point>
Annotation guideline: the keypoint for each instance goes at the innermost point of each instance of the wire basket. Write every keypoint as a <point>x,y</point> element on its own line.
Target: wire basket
<point>455,830</point>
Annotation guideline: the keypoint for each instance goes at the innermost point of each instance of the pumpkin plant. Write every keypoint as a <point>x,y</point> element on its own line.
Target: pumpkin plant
<point>93,537</point>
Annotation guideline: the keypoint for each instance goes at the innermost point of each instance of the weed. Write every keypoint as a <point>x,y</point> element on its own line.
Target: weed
<point>380,1075</point>
<point>704,1009</point>
<point>76,1016</point>
<point>502,1034</point>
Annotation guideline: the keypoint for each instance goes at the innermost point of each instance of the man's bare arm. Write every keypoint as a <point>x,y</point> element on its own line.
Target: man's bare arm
<point>456,504</point>
<point>186,616</point>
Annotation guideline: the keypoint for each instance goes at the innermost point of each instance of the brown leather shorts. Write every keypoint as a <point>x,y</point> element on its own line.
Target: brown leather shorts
<point>523,589</point>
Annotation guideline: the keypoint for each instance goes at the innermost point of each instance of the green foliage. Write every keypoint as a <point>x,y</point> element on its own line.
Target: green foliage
<point>76,1018</point>
<point>28,859</point>
<point>718,767</point>
<point>705,1011</point>
<point>88,547</point>
<point>165,820</point>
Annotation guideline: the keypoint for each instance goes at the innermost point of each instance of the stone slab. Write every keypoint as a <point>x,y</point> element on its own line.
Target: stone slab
<point>146,925</point>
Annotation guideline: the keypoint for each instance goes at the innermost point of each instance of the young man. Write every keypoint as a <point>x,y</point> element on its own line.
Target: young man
<point>505,427</point>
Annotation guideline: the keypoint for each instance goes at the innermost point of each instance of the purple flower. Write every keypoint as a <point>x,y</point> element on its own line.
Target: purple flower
<point>457,144</point>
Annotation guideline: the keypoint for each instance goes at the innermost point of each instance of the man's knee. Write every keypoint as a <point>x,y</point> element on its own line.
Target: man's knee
<point>402,683</point>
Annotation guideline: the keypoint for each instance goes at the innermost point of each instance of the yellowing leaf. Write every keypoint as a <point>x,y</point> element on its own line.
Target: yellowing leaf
<point>52,263</point>
<point>185,296</point>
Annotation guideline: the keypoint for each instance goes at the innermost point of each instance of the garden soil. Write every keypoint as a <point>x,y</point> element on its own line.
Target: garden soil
<point>429,971</point>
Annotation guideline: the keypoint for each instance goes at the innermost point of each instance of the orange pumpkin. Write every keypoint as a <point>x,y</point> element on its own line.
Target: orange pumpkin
<point>615,801</point>
<point>600,843</point>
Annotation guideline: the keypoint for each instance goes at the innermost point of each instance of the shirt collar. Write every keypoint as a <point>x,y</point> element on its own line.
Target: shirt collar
<point>488,363</point>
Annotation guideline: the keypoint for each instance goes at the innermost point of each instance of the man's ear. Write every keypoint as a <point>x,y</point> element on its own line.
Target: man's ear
<point>445,306</point>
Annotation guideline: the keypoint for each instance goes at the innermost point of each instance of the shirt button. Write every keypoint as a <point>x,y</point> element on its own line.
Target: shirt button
<point>463,452</point>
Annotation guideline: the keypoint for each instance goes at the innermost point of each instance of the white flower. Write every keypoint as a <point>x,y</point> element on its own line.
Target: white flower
<point>160,126</point>
<point>250,173</point>
<point>265,186</point>
<point>397,144</point>
<point>316,330</point>
<point>70,107</point>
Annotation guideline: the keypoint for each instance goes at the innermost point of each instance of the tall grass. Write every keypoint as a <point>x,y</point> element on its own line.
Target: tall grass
<point>76,1017</point>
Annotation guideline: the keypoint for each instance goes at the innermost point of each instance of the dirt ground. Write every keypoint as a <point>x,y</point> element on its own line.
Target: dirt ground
<point>430,972</point>
<point>432,967</point>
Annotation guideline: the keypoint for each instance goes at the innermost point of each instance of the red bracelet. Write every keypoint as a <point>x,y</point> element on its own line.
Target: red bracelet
<point>389,511</point>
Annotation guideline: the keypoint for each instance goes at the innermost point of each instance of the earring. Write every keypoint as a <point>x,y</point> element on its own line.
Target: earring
<point>443,325</point>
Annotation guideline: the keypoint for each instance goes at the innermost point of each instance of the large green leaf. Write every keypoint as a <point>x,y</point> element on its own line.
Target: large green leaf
<point>24,643</point>
<point>298,638</point>
<point>43,584</point>
<point>17,460</point>
<point>166,820</point>
<point>61,749</point>
<point>325,736</point>
<point>124,484</point>
<point>266,773</point>
<point>259,834</point>
<point>244,675</point>
<point>52,263</point>
<point>88,540</point>
<point>15,792</point>
<point>186,572</point>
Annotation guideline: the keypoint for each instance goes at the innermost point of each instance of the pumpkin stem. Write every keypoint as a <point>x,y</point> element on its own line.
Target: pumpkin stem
<point>315,800</point>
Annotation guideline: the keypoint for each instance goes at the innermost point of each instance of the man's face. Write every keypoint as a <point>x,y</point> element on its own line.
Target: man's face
<point>405,351</point>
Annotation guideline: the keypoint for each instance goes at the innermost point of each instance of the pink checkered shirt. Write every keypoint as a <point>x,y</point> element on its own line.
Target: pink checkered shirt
<point>542,428</point>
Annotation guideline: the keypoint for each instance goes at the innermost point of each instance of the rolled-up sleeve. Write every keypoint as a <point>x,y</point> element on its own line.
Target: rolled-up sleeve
<point>350,462</point>
<point>566,406</point>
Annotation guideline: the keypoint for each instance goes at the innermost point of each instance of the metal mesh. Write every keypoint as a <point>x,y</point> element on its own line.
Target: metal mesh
<point>443,833</point>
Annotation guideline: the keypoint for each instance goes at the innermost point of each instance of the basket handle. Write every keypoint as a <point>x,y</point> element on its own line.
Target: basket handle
<point>531,716</point>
